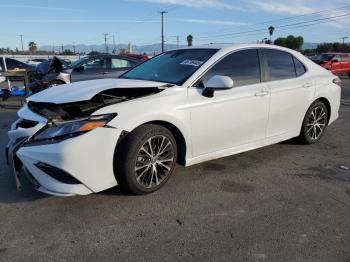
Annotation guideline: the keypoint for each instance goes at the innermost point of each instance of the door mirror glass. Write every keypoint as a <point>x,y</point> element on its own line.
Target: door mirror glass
<point>217,82</point>
<point>335,60</point>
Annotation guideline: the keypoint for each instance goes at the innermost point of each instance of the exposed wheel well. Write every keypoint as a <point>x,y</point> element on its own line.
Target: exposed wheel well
<point>180,139</point>
<point>327,104</point>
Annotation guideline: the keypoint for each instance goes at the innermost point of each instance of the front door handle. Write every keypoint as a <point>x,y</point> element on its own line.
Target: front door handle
<point>262,93</point>
<point>104,73</point>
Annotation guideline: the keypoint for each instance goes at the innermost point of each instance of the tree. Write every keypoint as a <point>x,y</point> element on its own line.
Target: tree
<point>291,42</point>
<point>189,40</point>
<point>271,30</point>
<point>32,47</point>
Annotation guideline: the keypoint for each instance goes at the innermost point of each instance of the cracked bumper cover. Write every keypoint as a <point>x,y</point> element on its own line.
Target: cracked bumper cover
<point>88,158</point>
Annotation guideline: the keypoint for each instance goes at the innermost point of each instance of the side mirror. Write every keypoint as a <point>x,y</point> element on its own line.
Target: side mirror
<point>79,69</point>
<point>217,82</point>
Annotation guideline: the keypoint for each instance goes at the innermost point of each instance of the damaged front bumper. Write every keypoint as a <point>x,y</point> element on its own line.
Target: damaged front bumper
<point>75,166</point>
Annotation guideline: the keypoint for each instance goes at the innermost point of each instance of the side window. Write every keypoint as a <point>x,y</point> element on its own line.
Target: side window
<point>299,67</point>
<point>280,64</point>
<point>242,66</point>
<point>345,58</point>
<point>96,63</point>
<point>337,58</point>
<point>119,63</point>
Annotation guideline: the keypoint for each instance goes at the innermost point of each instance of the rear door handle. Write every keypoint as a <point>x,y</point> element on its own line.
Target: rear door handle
<point>262,93</point>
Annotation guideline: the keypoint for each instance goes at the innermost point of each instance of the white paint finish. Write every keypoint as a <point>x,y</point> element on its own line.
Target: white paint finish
<point>231,118</point>
<point>289,101</point>
<point>233,121</point>
<point>85,90</point>
<point>88,158</point>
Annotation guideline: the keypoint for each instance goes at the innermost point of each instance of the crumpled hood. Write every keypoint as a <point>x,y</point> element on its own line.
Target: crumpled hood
<point>85,90</point>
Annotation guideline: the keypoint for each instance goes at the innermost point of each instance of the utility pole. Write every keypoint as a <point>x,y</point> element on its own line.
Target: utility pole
<point>162,14</point>
<point>62,48</point>
<point>73,47</point>
<point>114,48</point>
<point>345,37</point>
<point>105,39</point>
<point>21,36</point>
<point>177,41</point>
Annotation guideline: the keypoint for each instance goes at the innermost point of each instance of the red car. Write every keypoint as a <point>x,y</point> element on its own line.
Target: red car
<point>338,63</point>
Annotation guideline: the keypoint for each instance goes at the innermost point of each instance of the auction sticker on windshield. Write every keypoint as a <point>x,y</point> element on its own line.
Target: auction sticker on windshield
<point>191,62</point>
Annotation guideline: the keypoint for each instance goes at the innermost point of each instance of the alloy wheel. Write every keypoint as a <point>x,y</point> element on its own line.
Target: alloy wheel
<point>154,161</point>
<point>316,123</point>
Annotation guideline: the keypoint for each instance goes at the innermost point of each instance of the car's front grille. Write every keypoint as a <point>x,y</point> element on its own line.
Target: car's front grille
<point>57,173</point>
<point>24,123</point>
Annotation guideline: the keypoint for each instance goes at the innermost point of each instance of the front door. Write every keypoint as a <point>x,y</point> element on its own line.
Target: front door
<point>234,117</point>
<point>94,68</point>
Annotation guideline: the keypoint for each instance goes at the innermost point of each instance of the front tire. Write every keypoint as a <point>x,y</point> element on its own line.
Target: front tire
<point>315,123</point>
<point>145,159</point>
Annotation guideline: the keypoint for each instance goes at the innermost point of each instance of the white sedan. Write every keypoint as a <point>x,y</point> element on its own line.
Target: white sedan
<point>183,106</point>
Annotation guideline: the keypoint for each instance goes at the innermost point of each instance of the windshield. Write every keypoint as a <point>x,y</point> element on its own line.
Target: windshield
<point>173,67</point>
<point>323,57</point>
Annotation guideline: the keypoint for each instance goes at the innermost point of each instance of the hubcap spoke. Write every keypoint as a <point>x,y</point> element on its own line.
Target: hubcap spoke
<point>316,123</point>
<point>154,161</point>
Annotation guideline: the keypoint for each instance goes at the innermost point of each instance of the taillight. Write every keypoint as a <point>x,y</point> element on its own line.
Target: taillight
<point>337,81</point>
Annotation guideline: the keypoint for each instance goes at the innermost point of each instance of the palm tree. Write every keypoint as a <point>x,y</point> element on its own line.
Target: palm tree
<point>189,40</point>
<point>32,47</point>
<point>271,30</point>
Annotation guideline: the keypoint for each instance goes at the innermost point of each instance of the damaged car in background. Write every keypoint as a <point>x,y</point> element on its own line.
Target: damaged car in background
<point>183,106</point>
<point>57,71</point>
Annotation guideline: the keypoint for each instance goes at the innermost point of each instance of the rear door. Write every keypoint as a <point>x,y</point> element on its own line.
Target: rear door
<point>290,87</point>
<point>336,64</point>
<point>344,63</point>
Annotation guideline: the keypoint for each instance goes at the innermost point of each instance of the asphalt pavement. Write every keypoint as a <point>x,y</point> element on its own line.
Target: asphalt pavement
<point>286,202</point>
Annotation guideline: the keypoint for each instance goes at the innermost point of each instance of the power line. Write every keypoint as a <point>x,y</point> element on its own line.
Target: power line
<point>287,29</point>
<point>310,15</point>
<point>323,20</point>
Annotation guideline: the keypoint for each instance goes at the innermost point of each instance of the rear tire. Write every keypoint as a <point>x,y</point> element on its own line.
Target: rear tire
<point>315,123</point>
<point>145,159</point>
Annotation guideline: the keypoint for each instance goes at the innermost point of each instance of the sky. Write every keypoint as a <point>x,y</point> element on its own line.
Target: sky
<point>52,22</point>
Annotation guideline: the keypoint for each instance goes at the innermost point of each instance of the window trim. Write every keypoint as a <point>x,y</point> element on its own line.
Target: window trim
<point>196,81</point>
<point>293,57</point>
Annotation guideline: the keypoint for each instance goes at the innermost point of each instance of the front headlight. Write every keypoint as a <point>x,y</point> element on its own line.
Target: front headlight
<point>72,128</point>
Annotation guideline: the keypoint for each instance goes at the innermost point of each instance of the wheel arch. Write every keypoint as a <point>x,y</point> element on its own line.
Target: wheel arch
<point>326,102</point>
<point>176,132</point>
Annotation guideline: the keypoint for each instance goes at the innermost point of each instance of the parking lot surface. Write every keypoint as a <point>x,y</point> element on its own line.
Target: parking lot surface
<point>286,202</point>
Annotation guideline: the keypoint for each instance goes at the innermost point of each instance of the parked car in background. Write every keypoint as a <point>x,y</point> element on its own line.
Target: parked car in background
<point>187,106</point>
<point>16,65</point>
<point>338,63</point>
<point>57,72</point>
<point>143,57</point>
<point>35,61</point>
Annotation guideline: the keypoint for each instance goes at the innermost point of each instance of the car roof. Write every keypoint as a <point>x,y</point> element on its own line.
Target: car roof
<point>232,47</point>
<point>113,56</point>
